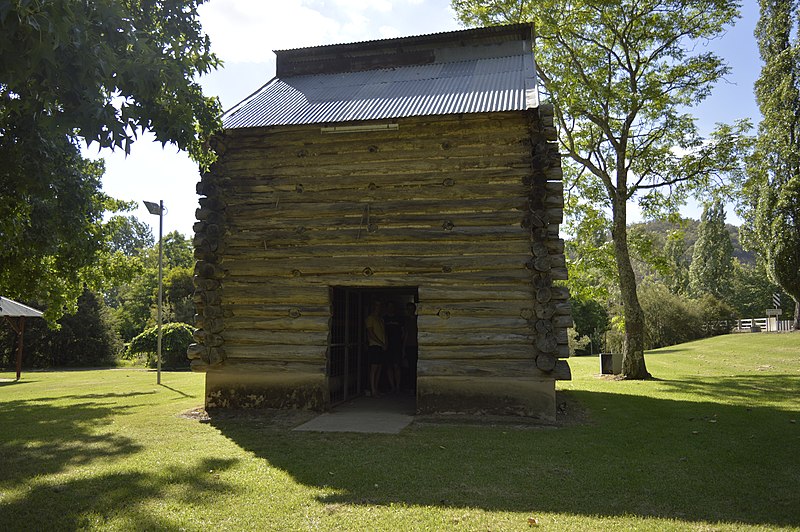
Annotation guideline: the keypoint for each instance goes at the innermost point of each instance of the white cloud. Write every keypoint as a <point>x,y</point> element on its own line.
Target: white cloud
<point>383,6</point>
<point>248,30</point>
<point>389,32</point>
<point>355,28</point>
<point>152,173</point>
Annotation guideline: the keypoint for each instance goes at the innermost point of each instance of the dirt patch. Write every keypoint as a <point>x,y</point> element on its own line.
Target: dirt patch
<point>569,411</point>
<point>198,414</point>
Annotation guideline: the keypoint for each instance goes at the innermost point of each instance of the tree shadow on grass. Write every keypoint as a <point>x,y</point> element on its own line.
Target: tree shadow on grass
<point>118,499</point>
<point>58,468</point>
<point>640,456</point>
<point>744,390</point>
<point>40,437</point>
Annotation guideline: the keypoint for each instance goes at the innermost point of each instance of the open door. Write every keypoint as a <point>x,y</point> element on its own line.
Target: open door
<point>347,364</point>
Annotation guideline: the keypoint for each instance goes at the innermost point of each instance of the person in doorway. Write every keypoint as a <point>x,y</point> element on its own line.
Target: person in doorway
<point>376,345</point>
<point>394,343</point>
<point>411,350</point>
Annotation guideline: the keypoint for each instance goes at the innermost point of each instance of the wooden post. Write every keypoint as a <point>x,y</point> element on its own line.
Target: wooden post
<point>20,334</point>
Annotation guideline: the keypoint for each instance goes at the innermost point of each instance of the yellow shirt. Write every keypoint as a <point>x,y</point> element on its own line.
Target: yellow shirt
<point>375,323</point>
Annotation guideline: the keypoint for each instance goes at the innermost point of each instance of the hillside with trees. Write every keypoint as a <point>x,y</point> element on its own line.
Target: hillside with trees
<point>681,300</point>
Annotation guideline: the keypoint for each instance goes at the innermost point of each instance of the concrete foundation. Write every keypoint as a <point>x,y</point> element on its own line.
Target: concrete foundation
<point>236,389</point>
<point>502,396</point>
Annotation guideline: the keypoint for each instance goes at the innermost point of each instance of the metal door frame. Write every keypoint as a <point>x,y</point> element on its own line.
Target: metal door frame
<point>352,348</point>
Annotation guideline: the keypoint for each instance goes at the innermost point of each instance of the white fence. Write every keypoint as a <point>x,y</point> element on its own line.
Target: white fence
<point>762,324</point>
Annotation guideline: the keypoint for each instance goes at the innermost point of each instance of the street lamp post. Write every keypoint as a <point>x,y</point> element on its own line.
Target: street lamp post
<point>158,209</point>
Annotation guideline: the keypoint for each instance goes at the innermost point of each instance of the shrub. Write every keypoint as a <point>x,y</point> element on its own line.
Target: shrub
<point>175,339</point>
<point>669,319</point>
<point>614,338</point>
<point>718,316</point>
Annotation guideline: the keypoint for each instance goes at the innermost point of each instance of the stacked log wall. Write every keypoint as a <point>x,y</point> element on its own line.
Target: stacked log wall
<point>466,208</point>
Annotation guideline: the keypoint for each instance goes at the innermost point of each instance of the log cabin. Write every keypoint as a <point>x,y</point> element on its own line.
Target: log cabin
<point>418,169</point>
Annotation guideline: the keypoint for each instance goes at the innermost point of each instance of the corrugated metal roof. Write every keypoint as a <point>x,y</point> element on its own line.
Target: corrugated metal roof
<point>11,308</point>
<point>478,86</point>
<point>465,79</point>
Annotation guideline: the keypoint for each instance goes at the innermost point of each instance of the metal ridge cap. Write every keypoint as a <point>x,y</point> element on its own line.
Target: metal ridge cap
<point>509,29</point>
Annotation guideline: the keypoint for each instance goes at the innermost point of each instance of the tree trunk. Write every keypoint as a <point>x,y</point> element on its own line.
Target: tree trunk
<point>633,364</point>
<point>797,315</point>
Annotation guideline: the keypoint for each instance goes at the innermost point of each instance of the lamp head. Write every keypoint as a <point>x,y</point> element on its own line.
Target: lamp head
<point>152,208</point>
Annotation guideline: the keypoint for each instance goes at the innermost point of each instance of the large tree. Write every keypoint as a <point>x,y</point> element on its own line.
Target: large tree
<point>129,235</point>
<point>100,72</point>
<point>711,270</point>
<point>678,262</point>
<point>771,196</point>
<point>134,301</point>
<point>622,74</point>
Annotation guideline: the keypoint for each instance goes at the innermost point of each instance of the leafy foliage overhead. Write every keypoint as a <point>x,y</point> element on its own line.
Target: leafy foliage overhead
<point>104,70</point>
<point>101,72</point>
<point>50,222</point>
<point>128,235</point>
<point>622,75</point>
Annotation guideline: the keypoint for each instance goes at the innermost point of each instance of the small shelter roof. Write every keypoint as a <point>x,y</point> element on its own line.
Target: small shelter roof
<point>467,71</point>
<point>13,309</point>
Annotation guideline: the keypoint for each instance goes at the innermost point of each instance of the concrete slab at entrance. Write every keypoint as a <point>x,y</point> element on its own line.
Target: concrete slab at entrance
<point>388,414</point>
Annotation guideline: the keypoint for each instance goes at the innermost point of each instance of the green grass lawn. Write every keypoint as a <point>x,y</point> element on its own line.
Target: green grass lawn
<point>712,444</point>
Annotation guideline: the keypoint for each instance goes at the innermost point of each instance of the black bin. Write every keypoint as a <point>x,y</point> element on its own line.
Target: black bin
<point>606,364</point>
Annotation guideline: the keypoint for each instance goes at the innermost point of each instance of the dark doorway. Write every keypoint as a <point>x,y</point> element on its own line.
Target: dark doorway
<point>347,364</point>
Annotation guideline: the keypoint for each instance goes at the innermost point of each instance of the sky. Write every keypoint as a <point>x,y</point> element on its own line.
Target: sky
<point>245,32</point>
